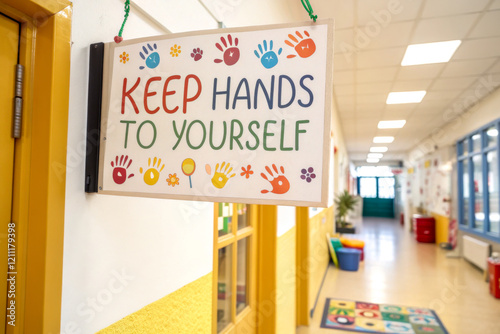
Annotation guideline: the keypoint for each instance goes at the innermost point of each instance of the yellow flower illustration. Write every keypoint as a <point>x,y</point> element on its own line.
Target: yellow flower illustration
<point>124,57</point>
<point>173,180</point>
<point>175,50</point>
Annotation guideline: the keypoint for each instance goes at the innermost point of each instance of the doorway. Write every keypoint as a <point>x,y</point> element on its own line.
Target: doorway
<point>378,194</point>
<point>9,53</point>
<point>235,270</point>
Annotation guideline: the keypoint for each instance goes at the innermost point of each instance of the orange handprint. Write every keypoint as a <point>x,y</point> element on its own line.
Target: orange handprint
<point>305,48</point>
<point>280,182</point>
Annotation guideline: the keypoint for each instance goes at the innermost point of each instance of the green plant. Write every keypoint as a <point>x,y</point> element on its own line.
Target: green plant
<point>345,202</point>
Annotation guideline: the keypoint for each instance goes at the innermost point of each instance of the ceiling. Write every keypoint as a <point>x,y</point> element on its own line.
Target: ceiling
<point>369,51</point>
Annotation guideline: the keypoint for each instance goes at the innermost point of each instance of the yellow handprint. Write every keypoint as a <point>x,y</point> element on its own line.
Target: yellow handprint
<point>221,175</point>
<point>152,175</point>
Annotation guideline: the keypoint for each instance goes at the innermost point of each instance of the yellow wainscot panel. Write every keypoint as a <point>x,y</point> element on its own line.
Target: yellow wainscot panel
<point>187,310</point>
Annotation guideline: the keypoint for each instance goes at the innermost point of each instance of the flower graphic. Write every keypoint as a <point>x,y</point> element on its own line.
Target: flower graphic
<point>246,172</point>
<point>308,174</point>
<point>124,57</point>
<point>175,50</point>
<point>173,180</point>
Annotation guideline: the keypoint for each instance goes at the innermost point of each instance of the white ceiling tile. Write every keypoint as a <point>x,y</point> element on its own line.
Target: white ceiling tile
<point>488,26</point>
<point>343,62</point>
<point>372,98</point>
<point>459,68</point>
<point>363,109</point>
<point>374,88</point>
<point>478,48</point>
<point>411,85</point>
<point>343,77</point>
<point>442,95</point>
<point>395,34</point>
<point>453,83</point>
<point>382,12</point>
<point>429,71</point>
<point>495,5</point>
<point>341,90</point>
<point>452,7</point>
<point>342,37</point>
<point>443,29</point>
<point>380,58</point>
<point>376,74</point>
<point>327,9</point>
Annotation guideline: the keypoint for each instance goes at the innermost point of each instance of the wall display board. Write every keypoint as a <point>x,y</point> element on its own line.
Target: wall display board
<point>235,115</point>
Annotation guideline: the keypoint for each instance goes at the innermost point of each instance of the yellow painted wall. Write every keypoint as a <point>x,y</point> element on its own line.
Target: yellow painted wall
<point>442,227</point>
<point>319,225</point>
<point>285,283</point>
<point>187,310</point>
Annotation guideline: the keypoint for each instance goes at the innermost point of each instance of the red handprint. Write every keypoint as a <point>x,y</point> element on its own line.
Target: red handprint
<point>120,169</point>
<point>232,53</point>
<point>279,182</point>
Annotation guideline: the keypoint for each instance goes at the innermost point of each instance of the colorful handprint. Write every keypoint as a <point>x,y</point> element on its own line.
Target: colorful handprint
<point>231,54</point>
<point>222,175</point>
<point>279,182</point>
<point>152,174</point>
<point>152,60</point>
<point>268,58</point>
<point>120,169</point>
<point>304,48</point>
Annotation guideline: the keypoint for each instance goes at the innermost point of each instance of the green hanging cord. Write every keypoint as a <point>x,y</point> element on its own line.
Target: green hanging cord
<point>119,38</point>
<point>309,9</point>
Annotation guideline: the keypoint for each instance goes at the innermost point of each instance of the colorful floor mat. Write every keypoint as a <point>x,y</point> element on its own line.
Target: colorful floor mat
<point>380,318</point>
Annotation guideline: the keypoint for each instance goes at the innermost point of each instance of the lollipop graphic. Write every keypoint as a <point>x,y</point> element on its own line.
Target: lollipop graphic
<point>188,168</point>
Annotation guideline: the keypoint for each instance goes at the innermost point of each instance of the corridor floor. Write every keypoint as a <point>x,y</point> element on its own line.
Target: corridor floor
<point>398,270</point>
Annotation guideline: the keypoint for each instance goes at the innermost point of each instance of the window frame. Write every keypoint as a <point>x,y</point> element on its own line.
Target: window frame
<point>461,157</point>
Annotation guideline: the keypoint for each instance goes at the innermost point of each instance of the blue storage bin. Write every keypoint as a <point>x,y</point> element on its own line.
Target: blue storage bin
<point>348,258</point>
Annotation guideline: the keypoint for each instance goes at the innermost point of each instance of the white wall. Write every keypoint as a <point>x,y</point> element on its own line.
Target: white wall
<point>286,219</point>
<point>122,253</point>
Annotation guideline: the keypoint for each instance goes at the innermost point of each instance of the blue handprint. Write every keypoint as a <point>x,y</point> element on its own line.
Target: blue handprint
<point>153,59</point>
<point>269,59</point>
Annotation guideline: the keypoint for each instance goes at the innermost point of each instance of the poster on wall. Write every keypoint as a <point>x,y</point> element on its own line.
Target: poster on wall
<point>231,115</point>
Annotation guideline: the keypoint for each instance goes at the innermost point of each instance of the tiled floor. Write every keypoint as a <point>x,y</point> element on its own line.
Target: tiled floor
<point>398,270</point>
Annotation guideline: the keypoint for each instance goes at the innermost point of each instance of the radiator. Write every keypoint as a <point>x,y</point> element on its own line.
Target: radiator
<point>476,251</point>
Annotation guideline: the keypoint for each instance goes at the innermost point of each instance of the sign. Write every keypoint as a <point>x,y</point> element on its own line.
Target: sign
<point>235,115</point>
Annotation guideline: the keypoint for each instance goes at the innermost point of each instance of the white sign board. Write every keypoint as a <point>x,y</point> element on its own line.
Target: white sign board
<point>234,115</point>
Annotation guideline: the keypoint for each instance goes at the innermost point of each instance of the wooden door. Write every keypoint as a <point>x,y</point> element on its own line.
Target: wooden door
<point>235,255</point>
<point>9,48</point>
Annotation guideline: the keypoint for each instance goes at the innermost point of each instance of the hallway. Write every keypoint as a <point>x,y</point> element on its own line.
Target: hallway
<point>398,270</point>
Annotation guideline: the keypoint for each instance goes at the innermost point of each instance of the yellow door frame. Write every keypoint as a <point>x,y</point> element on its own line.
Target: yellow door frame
<point>40,160</point>
<point>301,263</point>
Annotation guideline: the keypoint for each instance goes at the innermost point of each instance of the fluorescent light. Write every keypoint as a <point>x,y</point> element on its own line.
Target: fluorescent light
<point>375,155</point>
<point>380,149</point>
<point>391,124</point>
<point>372,160</point>
<point>430,53</point>
<point>379,140</point>
<point>405,97</point>
<point>476,136</point>
<point>492,132</point>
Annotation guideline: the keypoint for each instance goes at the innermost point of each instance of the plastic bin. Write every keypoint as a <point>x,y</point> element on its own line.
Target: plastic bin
<point>348,258</point>
<point>494,271</point>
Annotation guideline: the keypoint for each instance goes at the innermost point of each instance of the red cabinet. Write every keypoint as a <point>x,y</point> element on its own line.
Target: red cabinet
<point>494,270</point>
<point>424,228</point>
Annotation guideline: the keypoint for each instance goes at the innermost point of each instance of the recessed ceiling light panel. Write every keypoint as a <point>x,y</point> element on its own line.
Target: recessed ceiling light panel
<point>378,149</point>
<point>375,155</point>
<point>379,140</point>
<point>405,97</point>
<point>391,124</point>
<point>372,161</point>
<point>430,53</point>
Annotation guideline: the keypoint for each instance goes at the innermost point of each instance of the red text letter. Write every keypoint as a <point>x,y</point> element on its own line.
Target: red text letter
<point>186,86</point>
<point>166,92</point>
<point>148,94</point>
<point>126,93</point>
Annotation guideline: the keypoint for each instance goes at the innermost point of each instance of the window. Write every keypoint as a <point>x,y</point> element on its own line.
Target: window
<point>478,182</point>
